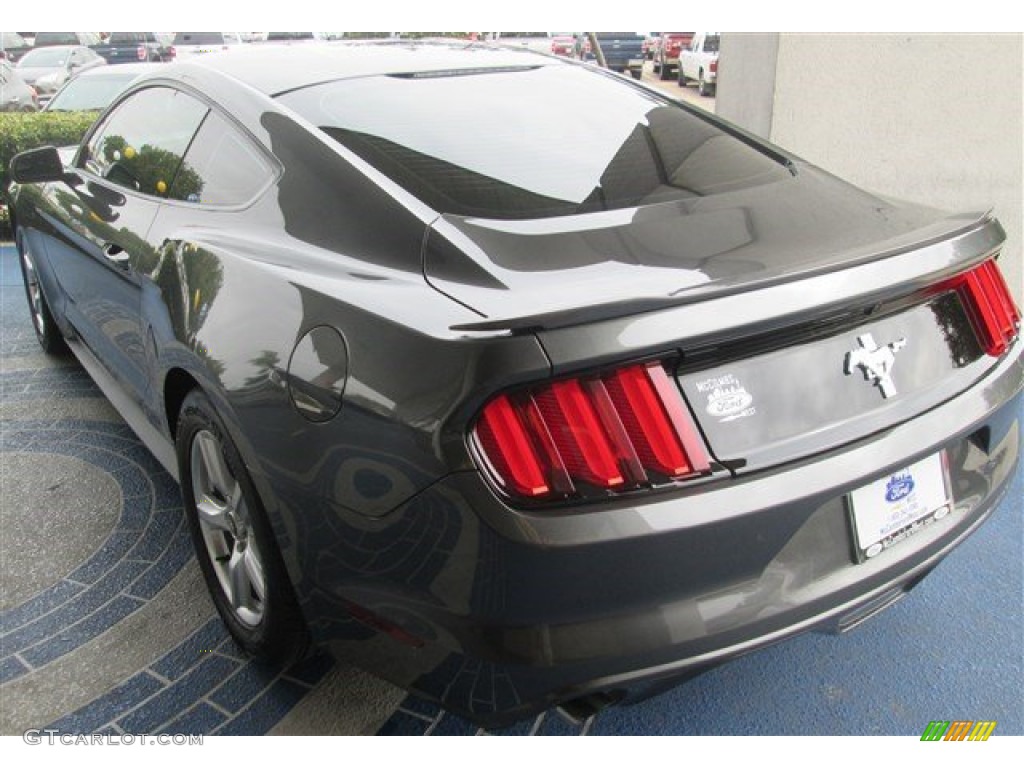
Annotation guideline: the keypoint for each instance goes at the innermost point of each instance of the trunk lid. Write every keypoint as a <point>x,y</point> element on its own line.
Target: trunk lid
<point>797,317</point>
<point>572,269</point>
<point>825,388</point>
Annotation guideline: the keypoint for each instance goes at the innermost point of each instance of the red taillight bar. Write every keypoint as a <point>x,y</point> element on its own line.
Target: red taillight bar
<point>990,306</point>
<point>507,444</point>
<point>608,433</point>
<point>580,439</point>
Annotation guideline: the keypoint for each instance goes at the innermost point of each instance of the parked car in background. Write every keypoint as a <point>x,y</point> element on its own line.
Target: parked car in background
<point>563,45</point>
<point>293,37</point>
<point>650,45</point>
<point>47,69</point>
<point>520,412</point>
<point>699,62</point>
<point>13,46</point>
<point>669,46</point>
<point>95,88</point>
<point>188,44</point>
<point>15,94</point>
<point>623,51</point>
<point>66,38</point>
<point>540,42</point>
<point>123,47</point>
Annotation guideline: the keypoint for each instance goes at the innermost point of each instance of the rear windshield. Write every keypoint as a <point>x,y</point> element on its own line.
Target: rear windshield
<point>199,38</point>
<point>126,38</point>
<point>531,142</point>
<point>89,93</point>
<point>45,57</point>
<point>56,38</point>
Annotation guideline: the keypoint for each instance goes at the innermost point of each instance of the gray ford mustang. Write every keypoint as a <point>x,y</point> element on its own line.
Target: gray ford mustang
<point>512,411</point>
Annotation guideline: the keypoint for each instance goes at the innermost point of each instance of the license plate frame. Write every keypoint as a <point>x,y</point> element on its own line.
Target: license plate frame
<point>893,508</point>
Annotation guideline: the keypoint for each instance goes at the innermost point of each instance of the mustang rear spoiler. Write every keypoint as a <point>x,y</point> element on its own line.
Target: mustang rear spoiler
<point>976,235</point>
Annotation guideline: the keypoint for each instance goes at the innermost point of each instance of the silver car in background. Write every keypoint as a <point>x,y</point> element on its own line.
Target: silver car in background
<point>95,88</point>
<point>48,68</point>
<point>15,94</point>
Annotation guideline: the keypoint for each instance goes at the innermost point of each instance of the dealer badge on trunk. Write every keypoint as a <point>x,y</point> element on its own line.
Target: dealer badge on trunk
<point>875,362</point>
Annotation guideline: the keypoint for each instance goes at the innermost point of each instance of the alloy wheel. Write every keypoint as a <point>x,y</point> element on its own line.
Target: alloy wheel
<point>35,293</point>
<point>226,527</point>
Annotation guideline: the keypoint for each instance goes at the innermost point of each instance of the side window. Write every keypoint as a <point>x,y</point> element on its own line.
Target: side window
<point>141,144</point>
<point>224,167</point>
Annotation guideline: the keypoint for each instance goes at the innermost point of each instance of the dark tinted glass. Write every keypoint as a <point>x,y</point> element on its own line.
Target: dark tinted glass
<point>711,43</point>
<point>531,142</point>
<point>230,171</point>
<point>199,38</point>
<point>126,38</point>
<point>141,143</point>
<point>56,38</point>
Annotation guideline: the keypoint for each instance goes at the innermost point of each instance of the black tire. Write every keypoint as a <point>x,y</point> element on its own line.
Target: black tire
<point>47,332</point>
<point>636,73</point>
<point>665,73</point>
<point>682,79</point>
<point>234,544</point>
<point>703,88</point>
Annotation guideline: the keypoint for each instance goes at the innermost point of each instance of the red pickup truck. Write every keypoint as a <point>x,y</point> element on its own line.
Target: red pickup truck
<point>667,59</point>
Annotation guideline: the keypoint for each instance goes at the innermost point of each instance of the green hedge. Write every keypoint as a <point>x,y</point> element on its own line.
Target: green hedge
<point>27,130</point>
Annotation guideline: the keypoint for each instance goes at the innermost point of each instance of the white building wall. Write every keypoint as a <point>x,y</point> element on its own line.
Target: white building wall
<point>936,119</point>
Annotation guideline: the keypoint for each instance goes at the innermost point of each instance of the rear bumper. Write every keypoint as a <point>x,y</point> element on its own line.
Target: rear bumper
<point>502,613</point>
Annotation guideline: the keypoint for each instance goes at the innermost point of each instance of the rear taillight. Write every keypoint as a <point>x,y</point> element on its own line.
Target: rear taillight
<point>590,436</point>
<point>172,52</point>
<point>141,53</point>
<point>713,66</point>
<point>990,306</point>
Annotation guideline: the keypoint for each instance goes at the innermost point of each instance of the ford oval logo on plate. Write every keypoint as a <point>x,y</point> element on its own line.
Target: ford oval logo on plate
<point>899,487</point>
<point>728,402</point>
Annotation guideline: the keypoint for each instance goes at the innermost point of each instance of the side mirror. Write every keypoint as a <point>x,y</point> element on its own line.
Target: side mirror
<point>37,165</point>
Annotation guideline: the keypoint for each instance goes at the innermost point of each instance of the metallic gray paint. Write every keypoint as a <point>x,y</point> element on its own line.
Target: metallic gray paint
<point>380,513</point>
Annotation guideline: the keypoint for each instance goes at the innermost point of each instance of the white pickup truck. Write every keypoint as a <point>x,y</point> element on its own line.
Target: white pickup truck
<point>699,62</point>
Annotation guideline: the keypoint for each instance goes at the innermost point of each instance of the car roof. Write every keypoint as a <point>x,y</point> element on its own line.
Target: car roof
<point>276,69</point>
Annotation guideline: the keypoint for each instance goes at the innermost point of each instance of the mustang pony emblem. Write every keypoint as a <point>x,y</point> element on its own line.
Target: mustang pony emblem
<point>875,361</point>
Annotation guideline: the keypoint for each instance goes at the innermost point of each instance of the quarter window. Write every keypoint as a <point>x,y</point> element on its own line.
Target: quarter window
<point>141,144</point>
<point>224,167</point>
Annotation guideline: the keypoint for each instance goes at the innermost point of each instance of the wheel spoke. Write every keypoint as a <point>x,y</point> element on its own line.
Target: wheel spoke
<point>217,472</point>
<point>239,584</point>
<point>213,514</point>
<point>254,570</point>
